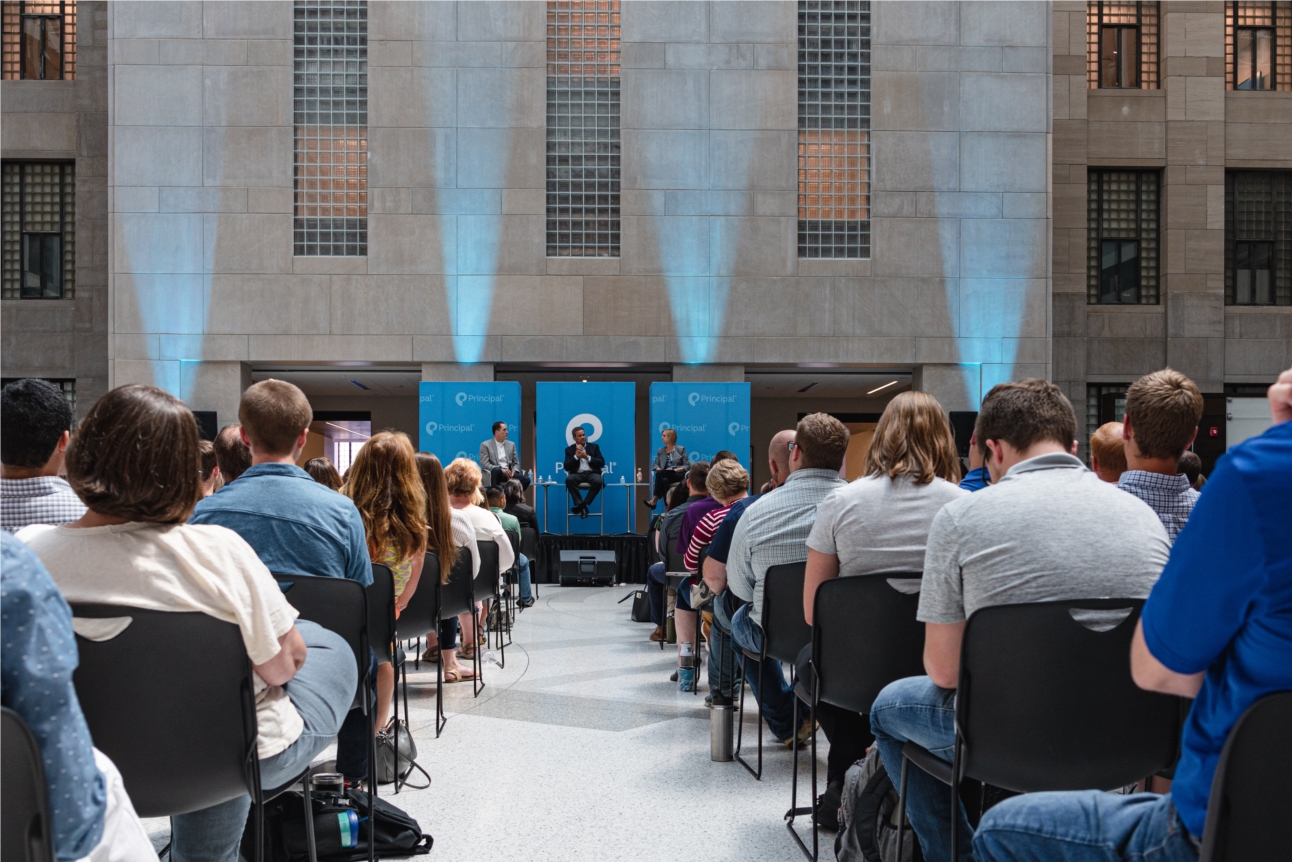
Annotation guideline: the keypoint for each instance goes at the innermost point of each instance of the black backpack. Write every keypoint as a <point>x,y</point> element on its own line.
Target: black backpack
<point>868,816</point>
<point>336,820</point>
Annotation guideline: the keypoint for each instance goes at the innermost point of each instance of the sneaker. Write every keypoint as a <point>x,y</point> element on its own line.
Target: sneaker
<point>673,678</point>
<point>805,732</point>
<point>826,815</point>
<point>719,699</point>
<point>525,603</point>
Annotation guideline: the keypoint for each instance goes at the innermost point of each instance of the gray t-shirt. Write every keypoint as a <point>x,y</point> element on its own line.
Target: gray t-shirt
<point>876,524</point>
<point>1049,530</point>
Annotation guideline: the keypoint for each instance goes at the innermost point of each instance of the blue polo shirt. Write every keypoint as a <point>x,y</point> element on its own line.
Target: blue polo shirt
<point>296,525</point>
<point>1224,604</point>
<point>976,479</point>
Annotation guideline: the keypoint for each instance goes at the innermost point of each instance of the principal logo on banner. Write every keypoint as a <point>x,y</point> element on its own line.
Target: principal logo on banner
<point>696,398</point>
<point>432,427</point>
<point>580,420</point>
<point>463,398</point>
<point>683,429</point>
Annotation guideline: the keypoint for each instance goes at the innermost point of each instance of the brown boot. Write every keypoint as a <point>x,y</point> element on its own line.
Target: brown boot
<point>657,635</point>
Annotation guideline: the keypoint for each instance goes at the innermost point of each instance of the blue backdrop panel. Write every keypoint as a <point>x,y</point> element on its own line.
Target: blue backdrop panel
<point>706,416</point>
<point>455,418</point>
<point>607,412</point>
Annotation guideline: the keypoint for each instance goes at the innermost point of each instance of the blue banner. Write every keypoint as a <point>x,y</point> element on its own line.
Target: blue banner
<point>455,418</point>
<point>607,411</point>
<point>707,417</point>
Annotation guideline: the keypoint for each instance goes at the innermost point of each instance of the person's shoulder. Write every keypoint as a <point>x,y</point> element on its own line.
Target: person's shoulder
<point>1264,454</point>
<point>37,536</point>
<point>949,490</point>
<point>16,551</point>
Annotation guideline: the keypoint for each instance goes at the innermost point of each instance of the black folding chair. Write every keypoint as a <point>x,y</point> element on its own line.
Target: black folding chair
<point>506,614</point>
<point>529,547</point>
<point>483,589</point>
<point>381,636</point>
<point>24,798</point>
<point>340,605</point>
<point>1045,702</point>
<point>1251,793</point>
<point>193,748</point>
<point>864,636</point>
<point>424,611</point>
<point>785,632</point>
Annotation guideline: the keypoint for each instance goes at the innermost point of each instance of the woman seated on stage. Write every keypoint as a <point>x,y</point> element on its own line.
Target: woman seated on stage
<point>670,467</point>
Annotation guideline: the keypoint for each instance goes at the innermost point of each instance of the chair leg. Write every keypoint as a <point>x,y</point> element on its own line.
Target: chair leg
<point>758,773</point>
<point>440,720</point>
<point>901,806</point>
<point>955,800</point>
<point>309,819</point>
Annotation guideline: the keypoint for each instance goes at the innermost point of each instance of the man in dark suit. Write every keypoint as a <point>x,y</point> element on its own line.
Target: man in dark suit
<point>583,463</point>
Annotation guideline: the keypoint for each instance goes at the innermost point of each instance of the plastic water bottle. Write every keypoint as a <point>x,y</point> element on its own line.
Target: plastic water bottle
<point>639,475</point>
<point>622,479</point>
<point>686,667</point>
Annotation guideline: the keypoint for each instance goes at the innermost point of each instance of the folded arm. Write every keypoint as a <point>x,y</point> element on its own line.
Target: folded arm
<point>280,669</point>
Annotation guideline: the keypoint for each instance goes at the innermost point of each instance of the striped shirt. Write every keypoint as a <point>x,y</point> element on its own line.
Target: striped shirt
<point>40,500</point>
<point>702,536</point>
<point>1171,497</point>
<point>774,531</point>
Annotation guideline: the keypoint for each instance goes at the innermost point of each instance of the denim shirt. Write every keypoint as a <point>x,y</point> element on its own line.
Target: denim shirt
<point>37,658</point>
<point>295,525</point>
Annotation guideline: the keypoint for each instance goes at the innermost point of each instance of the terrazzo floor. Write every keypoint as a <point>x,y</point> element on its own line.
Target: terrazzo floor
<point>582,749</point>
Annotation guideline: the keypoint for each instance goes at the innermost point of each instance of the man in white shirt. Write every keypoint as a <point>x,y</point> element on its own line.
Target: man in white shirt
<point>499,460</point>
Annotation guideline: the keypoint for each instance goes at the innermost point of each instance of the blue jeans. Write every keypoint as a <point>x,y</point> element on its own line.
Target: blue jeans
<point>915,709</point>
<point>523,575</point>
<point>776,697</point>
<point>322,692</point>
<point>655,592</point>
<point>1084,826</point>
<point>724,658</point>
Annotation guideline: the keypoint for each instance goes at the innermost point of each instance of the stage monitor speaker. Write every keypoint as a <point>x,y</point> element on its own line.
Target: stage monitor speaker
<point>962,422</point>
<point>587,569</point>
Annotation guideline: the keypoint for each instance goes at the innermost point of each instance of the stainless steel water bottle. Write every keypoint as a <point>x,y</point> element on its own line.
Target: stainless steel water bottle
<point>721,732</point>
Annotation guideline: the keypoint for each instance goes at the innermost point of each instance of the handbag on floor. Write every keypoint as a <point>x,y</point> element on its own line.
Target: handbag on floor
<point>341,829</point>
<point>641,606</point>
<point>406,757</point>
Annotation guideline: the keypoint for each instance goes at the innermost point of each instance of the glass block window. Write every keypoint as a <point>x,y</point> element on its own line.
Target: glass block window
<point>331,119</point>
<point>1258,238</point>
<point>1258,45</point>
<point>583,128</point>
<point>1122,237</point>
<point>39,235</point>
<point>1122,46</point>
<point>834,129</point>
<point>39,41</point>
<point>1105,402</point>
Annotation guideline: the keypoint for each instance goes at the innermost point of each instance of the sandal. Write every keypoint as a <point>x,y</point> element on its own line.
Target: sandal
<point>459,674</point>
<point>431,655</point>
<point>467,653</point>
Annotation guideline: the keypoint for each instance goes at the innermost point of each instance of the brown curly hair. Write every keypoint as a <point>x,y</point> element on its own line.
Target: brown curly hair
<point>386,489</point>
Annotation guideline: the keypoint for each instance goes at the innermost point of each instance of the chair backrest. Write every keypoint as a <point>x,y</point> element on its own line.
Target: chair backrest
<point>170,701</point>
<point>701,557</point>
<point>529,542</point>
<point>339,605</point>
<point>865,636</point>
<point>1251,793</point>
<point>486,583</point>
<point>24,798</point>
<point>454,597</point>
<point>785,629</point>
<point>381,611</point>
<point>1047,703</point>
<point>673,561</point>
<point>515,548</point>
<point>418,616</point>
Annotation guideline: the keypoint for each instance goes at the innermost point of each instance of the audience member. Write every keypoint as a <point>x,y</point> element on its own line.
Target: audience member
<point>669,466</point>
<point>496,498</point>
<point>322,471</point>
<point>667,537</point>
<point>518,508</point>
<point>134,548</point>
<point>463,480</point>
<point>1108,452</point>
<point>231,452</point>
<point>91,816</point>
<point>1162,414</point>
<point>295,525</point>
<point>450,533</point>
<point>772,532</point>
<point>1047,529</point>
<point>1191,467</point>
<point>722,455</point>
<point>387,490</point>
<point>976,478</point>
<point>723,657</point>
<point>35,427</point>
<point>1222,641</point>
<point>878,524</point>
<point>699,471</point>
<point>209,469</point>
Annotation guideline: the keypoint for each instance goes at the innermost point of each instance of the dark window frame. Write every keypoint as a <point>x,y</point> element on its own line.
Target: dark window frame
<point>66,178</point>
<point>1120,31</point>
<point>16,15</point>
<point>1145,294</point>
<point>1269,82</point>
<point>1147,27</point>
<point>1279,240</point>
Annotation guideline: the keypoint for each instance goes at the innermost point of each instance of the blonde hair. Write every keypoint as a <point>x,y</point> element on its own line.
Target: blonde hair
<point>913,438</point>
<point>726,479</point>
<point>670,435</point>
<point>462,477</point>
<point>385,486</point>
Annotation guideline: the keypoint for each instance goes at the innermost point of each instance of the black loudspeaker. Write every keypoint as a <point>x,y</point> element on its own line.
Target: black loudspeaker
<point>207,427</point>
<point>587,569</point>
<point>962,422</point>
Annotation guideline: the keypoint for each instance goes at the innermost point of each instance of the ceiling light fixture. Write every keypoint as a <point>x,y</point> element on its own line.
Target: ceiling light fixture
<point>809,386</point>
<point>360,385</point>
<point>885,386</point>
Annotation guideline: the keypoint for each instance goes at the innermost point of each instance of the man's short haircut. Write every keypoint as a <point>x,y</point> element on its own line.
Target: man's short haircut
<point>231,453</point>
<point>578,429</point>
<point>726,479</point>
<point>33,416</point>
<point>274,413</point>
<point>496,496</point>
<point>1164,409</point>
<point>1191,466</point>
<point>677,494</point>
<point>498,425</point>
<point>155,478</point>
<point>823,440</point>
<point>723,455</point>
<point>462,477</point>
<point>1026,412</point>
<point>697,475</point>
<point>515,492</point>
<point>1108,448</point>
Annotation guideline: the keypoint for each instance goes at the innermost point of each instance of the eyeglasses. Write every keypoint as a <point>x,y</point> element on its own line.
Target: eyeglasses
<point>789,447</point>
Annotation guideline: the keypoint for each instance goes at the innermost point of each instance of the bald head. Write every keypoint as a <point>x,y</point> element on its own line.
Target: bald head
<point>778,456</point>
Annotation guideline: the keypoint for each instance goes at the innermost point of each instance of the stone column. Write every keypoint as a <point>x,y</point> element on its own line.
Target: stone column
<point>458,372</point>
<point>708,373</point>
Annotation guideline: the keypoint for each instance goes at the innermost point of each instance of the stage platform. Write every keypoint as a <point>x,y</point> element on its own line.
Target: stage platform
<point>632,555</point>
